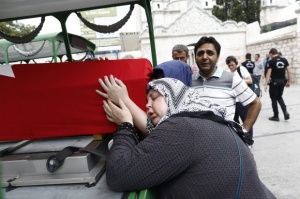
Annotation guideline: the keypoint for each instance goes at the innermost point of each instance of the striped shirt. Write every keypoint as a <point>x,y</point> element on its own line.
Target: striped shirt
<point>224,88</point>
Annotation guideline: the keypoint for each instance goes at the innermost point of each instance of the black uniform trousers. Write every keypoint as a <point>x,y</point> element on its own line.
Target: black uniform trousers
<point>276,91</point>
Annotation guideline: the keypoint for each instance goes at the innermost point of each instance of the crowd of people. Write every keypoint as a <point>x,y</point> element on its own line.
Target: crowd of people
<point>190,142</point>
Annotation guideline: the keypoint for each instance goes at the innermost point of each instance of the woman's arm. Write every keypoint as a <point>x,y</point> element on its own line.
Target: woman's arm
<point>160,157</point>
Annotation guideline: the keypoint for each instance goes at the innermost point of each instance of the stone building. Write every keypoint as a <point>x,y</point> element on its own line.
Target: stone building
<point>185,21</point>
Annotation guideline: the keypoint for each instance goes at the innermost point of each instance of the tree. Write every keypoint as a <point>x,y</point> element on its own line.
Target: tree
<point>15,28</point>
<point>237,10</point>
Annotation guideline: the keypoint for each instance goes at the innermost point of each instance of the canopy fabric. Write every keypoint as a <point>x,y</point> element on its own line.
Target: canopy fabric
<point>25,9</point>
<point>12,9</point>
<point>42,47</point>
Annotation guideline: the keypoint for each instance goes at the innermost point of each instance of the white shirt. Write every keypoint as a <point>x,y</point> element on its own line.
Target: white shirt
<point>244,72</point>
<point>259,68</point>
<point>225,90</point>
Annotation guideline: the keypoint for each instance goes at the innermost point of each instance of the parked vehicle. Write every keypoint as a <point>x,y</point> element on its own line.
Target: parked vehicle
<point>49,46</point>
<point>39,157</point>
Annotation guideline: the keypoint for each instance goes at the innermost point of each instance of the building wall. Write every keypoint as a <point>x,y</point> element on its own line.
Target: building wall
<point>277,11</point>
<point>187,27</point>
<point>187,23</point>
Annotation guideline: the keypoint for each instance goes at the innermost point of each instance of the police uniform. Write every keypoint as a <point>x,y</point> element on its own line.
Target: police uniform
<point>277,83</point>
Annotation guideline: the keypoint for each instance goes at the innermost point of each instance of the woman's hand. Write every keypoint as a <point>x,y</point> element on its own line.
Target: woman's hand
<point>114,88</point>
<point>117,114</point>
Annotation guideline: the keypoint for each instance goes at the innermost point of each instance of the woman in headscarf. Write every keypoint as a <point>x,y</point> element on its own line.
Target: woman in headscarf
<point>116,89</point>
<point>190,151</point>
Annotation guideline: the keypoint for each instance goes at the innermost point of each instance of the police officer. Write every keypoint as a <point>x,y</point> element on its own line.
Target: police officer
<point>276,71</point>
<point>249,64</point>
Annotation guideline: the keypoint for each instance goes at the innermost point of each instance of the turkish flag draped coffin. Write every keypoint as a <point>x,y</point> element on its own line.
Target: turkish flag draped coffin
<point>59,99</point>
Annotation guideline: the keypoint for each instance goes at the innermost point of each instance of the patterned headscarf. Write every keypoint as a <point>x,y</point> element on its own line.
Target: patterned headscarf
<point>180,98</point>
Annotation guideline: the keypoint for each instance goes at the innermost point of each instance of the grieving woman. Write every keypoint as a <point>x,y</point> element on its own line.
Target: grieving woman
<point>191,150</point>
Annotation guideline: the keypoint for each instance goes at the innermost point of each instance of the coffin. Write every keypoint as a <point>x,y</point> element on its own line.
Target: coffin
<point>59,99</point>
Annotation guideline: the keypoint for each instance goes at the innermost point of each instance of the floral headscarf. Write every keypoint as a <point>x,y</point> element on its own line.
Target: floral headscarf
<point>180,98</point>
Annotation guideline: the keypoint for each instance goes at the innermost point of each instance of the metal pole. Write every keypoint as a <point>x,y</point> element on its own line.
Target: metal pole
<point>62,19</point>
<point>147,7</point>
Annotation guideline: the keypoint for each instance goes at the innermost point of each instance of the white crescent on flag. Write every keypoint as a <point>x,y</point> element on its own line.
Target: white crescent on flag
<point>6,70</point>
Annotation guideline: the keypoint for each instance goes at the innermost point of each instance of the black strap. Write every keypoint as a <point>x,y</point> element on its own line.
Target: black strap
<point>239,71</point>
<point>56,161</point>
<point>211,116</point>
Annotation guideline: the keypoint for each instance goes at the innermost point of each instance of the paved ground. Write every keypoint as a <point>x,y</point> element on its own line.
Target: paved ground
<point>277,146</point>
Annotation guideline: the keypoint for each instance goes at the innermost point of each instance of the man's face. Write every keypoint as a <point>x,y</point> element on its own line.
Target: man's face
<point>256,58</point>
<point>206,58</point>
<point>232,66</point>
<point>180,56</point>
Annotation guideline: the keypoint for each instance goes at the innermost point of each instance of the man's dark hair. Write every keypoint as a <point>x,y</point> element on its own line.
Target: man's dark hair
<point>273,51</point>
<point>230,59</point>
<point>248,56</point>
<point>258,55</point>
<point>180,48</point>
<point>210,40</point>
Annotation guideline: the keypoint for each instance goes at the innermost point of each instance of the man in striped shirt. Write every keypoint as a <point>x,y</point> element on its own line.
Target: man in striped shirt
<point>222,87</point>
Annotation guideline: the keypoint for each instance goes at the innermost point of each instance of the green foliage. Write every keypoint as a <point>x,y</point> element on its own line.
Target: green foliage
<point>237,10</point>
<point>14,28</point>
